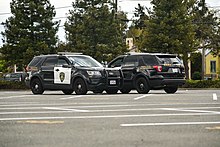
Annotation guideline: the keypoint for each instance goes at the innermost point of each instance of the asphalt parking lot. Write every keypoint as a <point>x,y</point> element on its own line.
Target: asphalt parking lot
<point>188,118</point>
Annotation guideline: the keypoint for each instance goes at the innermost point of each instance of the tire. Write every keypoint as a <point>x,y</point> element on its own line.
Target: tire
<point>97,91</point>
<point>171,89</point>
<point>79,87</point>
<point>111,91</point>
<point>142,86</point>
<point>68,91</point>
<point>125,90</point>
<point>36,87</point>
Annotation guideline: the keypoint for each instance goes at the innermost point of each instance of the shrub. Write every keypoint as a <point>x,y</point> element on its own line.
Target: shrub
<point>12,85</point>
<point>196,76</point>
<point>202,84</point>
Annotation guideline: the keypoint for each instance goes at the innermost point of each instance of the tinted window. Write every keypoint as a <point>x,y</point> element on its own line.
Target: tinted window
<point>150,60</point>
<point>131,61</point>
<point>168,59</point>
<point>50,61</point>
<point>35,61</point>
<point>62,61</point>
<point>117,63</point>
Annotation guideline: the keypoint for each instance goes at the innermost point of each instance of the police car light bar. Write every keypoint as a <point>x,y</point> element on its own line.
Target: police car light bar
<point>69,53</point>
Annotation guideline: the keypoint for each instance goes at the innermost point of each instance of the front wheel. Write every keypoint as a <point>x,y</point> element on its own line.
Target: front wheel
<point>171,89</point>
<point>142,86</point>
<point>80,87</point>
<point>36,87</point>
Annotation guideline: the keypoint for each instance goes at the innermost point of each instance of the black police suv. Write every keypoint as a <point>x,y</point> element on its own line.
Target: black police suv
<point>71,72</point>
<point>146,71</point>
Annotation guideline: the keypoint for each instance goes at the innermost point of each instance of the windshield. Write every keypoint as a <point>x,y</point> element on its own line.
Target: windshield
<point>84,61</point>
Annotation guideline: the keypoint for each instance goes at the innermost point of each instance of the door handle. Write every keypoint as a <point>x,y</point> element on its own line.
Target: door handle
<point>57,70</point>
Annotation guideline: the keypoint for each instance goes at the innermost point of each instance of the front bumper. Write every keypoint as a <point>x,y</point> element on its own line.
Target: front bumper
<point>103,84</point>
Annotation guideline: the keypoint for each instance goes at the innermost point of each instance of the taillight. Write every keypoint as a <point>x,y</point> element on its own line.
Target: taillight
<point>158,68</point>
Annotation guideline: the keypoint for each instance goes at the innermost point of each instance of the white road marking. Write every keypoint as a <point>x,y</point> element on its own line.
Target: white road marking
<point>214,97</point>
<point>72,97</point>
<point>20,96</point>
<point>107,116</point>
<point>143,96</point>
<point>168,124</point>
<point>64,109</point>
<point>190,110</point>
<point>69,109</point>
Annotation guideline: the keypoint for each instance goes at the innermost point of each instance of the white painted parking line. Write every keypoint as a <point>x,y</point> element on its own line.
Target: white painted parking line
<point>214,97</point>
<point>108,116</point>
<point>64,109</point>
<point>143,96</point>
<point>190,110</point>
<point>20,96</point>
<point>71,97</point>
<point>168,124</point>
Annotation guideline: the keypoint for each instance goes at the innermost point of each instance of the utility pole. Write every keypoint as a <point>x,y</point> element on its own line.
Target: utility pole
<point>116,6</point>
<point>203,60</point>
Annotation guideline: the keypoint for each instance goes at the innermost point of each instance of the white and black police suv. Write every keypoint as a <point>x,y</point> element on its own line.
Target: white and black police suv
<point>146,71</point>
<point>71,72</point>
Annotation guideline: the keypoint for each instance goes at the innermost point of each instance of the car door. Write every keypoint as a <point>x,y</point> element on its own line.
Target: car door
<point>62,72</point>
<point>130,63</point>
<point>47,70</point>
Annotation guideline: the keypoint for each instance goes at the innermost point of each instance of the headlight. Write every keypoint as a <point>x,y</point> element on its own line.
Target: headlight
<point>94,73</point>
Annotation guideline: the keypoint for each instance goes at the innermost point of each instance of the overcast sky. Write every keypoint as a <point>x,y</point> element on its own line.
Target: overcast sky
<point>61,13</point>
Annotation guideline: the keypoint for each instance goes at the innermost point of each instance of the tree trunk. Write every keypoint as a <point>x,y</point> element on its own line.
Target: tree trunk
<point>185,63</point>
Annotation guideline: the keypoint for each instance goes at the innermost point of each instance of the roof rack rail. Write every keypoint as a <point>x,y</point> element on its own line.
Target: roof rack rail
<point>69,53</point>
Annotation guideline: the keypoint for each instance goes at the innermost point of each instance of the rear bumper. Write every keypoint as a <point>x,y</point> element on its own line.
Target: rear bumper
<point>177,82</point>
<point>162,82</point>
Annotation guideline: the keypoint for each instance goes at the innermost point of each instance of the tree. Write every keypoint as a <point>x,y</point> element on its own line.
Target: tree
<point>207,30</point>
<point>95,28</point>
<point>169,29</point>
<point>29,32</point>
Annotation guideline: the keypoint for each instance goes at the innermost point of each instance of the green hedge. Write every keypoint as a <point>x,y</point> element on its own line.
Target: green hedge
<point>12,85</point>
<point>202,84</point>
<point>189,84</point>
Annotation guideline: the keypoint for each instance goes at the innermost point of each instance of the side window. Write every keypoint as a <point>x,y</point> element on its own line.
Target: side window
<point>61,62</point>
<point>131,61</point>
<point>50,61</point>
<point>117,63</point>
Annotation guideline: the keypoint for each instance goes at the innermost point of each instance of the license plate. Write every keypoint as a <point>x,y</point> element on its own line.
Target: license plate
<point>175,69</point>
<point>112,82</point>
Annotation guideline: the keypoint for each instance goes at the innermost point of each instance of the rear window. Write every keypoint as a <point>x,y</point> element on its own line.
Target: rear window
<point>34,61</point>
<point>169,59</point>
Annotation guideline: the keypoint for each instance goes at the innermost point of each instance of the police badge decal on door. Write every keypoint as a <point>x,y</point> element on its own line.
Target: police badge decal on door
<point>62,75</point>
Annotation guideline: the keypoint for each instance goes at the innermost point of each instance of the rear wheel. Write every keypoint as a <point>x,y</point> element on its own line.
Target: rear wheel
<point>36,87</point>
<point>142,86</point>
<point>68,91</point>
<point>80,87</point>
<point>111,91</point>
<point>171,89</point>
